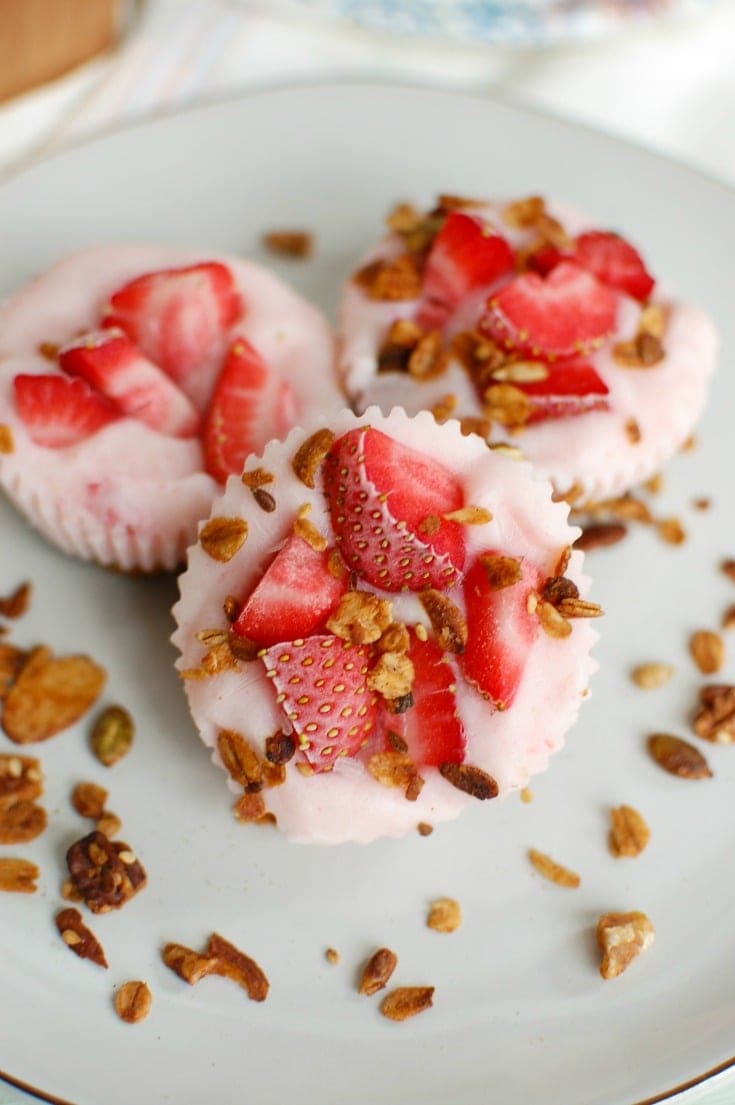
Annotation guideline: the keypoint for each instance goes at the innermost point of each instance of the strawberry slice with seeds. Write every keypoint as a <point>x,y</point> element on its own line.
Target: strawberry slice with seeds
<point>58,411</point>
<point>568,311</point>
<point>111,364</point>
<point>294,597</point>
<point>251,404</point>
<point>573,387</point>
<point>431,727</point>
<point>387,503</point>
<point>467,254</point>
<point>179,318</point>
<point>614,262</point>
<point>321,686</point>
<point>500,631</point>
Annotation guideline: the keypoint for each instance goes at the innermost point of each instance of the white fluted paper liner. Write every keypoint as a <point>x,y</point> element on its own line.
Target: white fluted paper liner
<point>127,496</point>
<point>347,804</point>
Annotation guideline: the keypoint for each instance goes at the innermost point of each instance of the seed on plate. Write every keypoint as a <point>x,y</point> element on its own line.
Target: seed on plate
<point>112,735</point>
<point>444,915</point>
<point>406,1002</point>
<point>629,833</point>
<point>708,651</point>
<point>133,1001</point>
<point>678,757</point>
<point>377,971</point>
<point>652,675</point>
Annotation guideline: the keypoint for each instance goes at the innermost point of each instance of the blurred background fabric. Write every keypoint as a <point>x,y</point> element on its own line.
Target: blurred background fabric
<point>661,72</point>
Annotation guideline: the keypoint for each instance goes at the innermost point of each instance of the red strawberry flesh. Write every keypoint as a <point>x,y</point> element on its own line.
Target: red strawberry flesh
<point>294,597</point>
<point>431,727</point>
<point>567,312</point>
<point>615,262</point>
<point>321,686</point>
<point>250,405</point>
<point>179,318</point>
<point>500,632</point>
<point>58,411</point>
<point>380,495</point>
<point>111,364</point>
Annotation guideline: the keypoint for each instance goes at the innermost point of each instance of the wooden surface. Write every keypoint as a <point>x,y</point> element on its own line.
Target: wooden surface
<point>41,39</point>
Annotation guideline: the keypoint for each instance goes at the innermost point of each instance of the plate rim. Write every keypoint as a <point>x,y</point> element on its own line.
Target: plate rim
<point>494,94</point>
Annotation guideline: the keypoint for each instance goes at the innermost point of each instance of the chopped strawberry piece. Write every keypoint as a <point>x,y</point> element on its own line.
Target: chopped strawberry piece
<point>546,258</point>
<point>572,387</point>
<point>321,687</point>
<point>111,364</point>
<point>250,405</point>
<point>568,311</point>
<point>467,254</point>
<point>500,632</point>
<point>179,318</point>
<point>614,262</point>
<point>431,727</point>
<point>58,411</point>
<point>387,504</point>
<point>293,598</point>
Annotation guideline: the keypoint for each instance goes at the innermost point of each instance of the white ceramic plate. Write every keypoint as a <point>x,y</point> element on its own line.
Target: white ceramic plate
<point>520,1012</point>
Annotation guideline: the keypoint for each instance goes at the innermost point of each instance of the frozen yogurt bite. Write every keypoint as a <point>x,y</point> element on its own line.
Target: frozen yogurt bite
<point>529,324</point>
<point>381,623</point>
<point>135,379</point>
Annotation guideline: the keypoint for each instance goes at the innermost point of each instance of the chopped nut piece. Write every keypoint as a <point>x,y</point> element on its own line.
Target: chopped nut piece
<point>250,807</point>
<point>7,445</point>
<point>425,362</point>
<point>671,531</point>
<point>708,651</point>
<point>22,822</point>
<point>447,201</point>
<point>447,620</point>
<point>377,971</point>
<point>633,431</point>
<point>279,748</point>
<point>557,589</point>
<point>553,871</point>
<point>469,516</point>
<point>444,408</point>
<point>332,956</point>
<point>221,538</point>
<point>653,675</point>
<point>562,563</point>
<point>48,350</point>
<point>424,829</point>
<point>472,780</point>
<point>654,484</point>
<point>406,1002</point>
<point>392,676</point>
<point>289,243</point>
<point>241,648</point>
<point>241,762</point>
<point>360,617</point>
<point>88,799</point>
<point>524,213</point>
<point>701,504</point>
<point>653,320</point>
<point>16,604</point>
<point>106,873</point>
<point>12,660</point>
<point>728,567</point>
<point>444,915</point>
<point>20,780</point>
<point>715,720</point>
<point>521,372</point>
<point>629,833</point>
<point>109,824</point>
<point>479,426</point>
<point>579,608</point>
<point>257,477</point>
<point>392,769</point>
<point>69,892</point>
<point>308,532</point>
<point>391,280</point>
<point>526,795</point>
<point>626,507</point>
<point>18,876</point>
<point>571,495</point>
<point>403,218</point>
<point>507,405</point>
<point>112,735</point>
<point>219,958</point>
<point>601,535</point>
<point>621,937</point>
<point>395,638</point>
<point>643,351</point>
<point>232,608</point>
<point>133,1001</point>
<point>678,757</point>
<point>552,621</point>
<point>501,571</point>
<point>728,617</point>
<point>49,695</point>
<point>78,937</point>
<point>264,499</point>
<point>310,455</point>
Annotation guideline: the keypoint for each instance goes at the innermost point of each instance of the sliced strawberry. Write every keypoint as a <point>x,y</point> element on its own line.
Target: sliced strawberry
<point>109,361</point>
<point>614,262</point>
<point>546,258</point>
<point>293,598</point>
<point>250,405</point>
<point>500,632</point>
<point>567,312</point>
<point>387,504</point>
<point>466,254</point>
<point>321,687</point>
<point>179,318</point>
<point>572,387</point>
<point>58,411</point>
<point>431,727</point>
